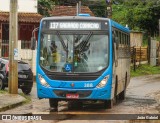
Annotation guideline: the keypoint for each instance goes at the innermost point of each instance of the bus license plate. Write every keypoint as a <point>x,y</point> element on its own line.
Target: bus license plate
<point>22,76</point>
<point>72,96</point>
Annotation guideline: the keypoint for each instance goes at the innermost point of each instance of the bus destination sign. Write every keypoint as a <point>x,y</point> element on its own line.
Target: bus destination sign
<point>75,25</point>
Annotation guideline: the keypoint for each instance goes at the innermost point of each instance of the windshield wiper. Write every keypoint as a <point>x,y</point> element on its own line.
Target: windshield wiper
<point>84,43</point>
<point>62,42</point>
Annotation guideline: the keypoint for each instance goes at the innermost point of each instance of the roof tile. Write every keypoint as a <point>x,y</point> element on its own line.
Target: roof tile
<point>69,11</point>
<point>22,17</point>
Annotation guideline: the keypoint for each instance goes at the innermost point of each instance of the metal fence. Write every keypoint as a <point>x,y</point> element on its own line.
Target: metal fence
<point>5,48</point>
<point>25,44</point>
<point>139,55</point>
<point>158,53</point>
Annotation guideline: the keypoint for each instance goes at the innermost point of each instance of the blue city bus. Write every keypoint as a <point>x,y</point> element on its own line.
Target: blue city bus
<point>82,59</point>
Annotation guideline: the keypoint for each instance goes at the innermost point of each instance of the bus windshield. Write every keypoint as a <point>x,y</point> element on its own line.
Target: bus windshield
<point>75,52</point>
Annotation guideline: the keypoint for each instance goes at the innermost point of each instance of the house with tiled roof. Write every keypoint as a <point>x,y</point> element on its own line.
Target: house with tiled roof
<point>26,23</point>
<point>28,19</point>
<point>69,11</point>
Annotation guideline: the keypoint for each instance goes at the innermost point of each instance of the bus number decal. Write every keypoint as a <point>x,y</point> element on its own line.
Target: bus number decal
<point>88,85</point>
<point>53,25</point>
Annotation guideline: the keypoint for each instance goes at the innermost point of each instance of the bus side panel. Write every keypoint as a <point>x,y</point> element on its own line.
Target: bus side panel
<point>121,67</point>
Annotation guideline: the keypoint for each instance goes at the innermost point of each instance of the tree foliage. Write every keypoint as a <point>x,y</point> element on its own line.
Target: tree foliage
<point>45,5</point>
<point>96,6</point>
<point>138,14</point>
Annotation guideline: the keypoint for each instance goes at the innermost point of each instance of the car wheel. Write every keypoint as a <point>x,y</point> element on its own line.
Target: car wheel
<point>26,90</point>
<point>2,87</point>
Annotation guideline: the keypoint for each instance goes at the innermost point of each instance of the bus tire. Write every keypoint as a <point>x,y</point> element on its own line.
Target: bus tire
<point>108,104</point>
<point>53,104</point>
<point>115,91</point>
<point>123,93</point>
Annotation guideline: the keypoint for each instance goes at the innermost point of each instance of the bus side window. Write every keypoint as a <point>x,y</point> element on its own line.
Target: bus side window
<point>117,38</point>
<point>125,38</point>
<point>127,41</point>
<point>113,55</point>
<point>120,39</point>
<point>123,41</point>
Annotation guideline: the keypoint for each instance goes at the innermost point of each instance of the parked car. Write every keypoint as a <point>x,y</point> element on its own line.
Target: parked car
<point>25,75</point>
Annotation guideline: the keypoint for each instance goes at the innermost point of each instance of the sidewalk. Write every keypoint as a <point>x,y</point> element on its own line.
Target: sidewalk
<point>8,101</point>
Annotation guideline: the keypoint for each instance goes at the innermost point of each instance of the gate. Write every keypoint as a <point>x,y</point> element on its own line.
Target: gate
<point>5,48</point>
<point>5,40</point>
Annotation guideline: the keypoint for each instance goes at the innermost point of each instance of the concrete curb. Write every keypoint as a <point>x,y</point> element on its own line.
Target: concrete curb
<point>157,98</point>
<point>8,101</point>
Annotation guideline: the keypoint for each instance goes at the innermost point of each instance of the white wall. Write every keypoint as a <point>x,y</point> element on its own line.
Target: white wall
<point>28,56</point>
<point>29,6</point>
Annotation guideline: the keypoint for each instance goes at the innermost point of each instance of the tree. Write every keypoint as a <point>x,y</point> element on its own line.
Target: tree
<point>96,6</point>
<point>138,14</point>
<point>45,5</point>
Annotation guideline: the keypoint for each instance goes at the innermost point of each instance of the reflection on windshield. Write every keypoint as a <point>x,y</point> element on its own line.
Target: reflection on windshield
<point>74,52</point>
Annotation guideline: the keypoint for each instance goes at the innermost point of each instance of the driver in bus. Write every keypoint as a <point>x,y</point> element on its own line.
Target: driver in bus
<point>54,54</point>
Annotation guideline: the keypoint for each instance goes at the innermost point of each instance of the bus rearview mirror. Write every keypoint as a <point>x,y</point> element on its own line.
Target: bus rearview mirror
<point>117,42</point>
<point>116,54</point>
<point>33,43</point>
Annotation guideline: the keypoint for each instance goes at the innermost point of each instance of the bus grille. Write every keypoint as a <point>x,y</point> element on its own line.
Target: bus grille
<point>81,94</point>
<point>73,78</point>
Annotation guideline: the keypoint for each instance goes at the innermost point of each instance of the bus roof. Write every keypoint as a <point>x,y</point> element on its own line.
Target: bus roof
<point>74,17</point>
<point>119,26</point>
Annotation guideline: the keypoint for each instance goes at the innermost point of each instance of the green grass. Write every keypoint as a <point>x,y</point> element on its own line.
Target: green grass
<point>3,91</point>
<point>28,98</point>
<point>145,70</point>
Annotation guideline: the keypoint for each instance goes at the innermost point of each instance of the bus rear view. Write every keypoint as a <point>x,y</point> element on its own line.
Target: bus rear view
<point>74,60</point>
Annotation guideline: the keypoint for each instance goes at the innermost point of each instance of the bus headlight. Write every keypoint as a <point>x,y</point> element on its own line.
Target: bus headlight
<point>103,82</point>
<point>43,81</point>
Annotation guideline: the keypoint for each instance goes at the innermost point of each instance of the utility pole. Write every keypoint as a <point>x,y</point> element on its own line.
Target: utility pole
<point>159,46</point>
<point>109,8</point>
<point>78,8</point>
<point>13,44</point>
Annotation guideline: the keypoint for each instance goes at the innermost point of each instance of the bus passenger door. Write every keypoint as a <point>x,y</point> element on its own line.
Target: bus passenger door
<point>115,65</point>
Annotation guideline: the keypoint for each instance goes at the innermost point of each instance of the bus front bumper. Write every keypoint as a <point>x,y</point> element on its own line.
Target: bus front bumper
<point>82,94</point>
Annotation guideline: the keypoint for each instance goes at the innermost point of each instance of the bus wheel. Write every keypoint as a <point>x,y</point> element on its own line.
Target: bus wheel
<point>123,93</point>
<point>115,91</point>
<point>108,104</point>
<point>75,105</point>
<point>53,104</point>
